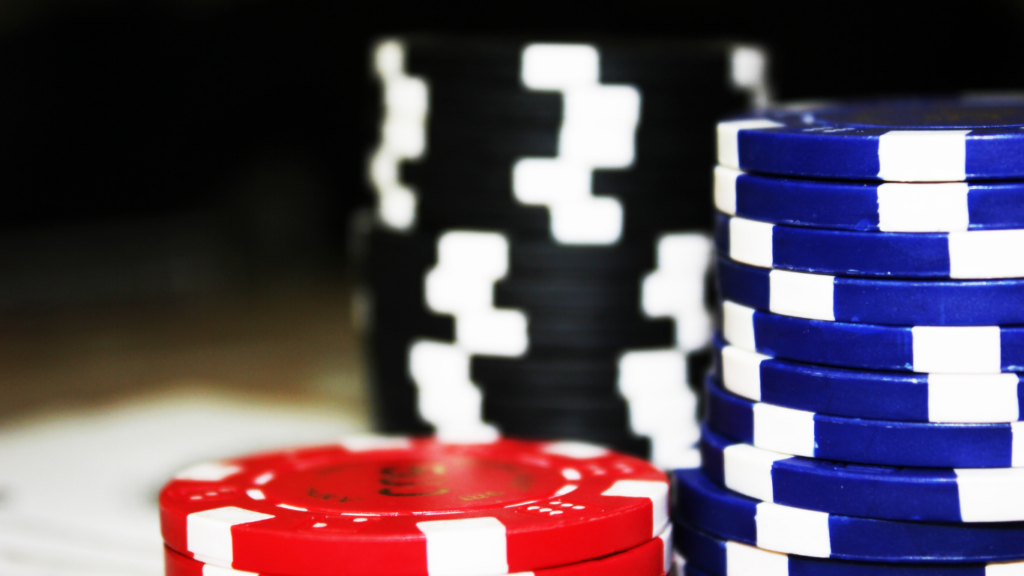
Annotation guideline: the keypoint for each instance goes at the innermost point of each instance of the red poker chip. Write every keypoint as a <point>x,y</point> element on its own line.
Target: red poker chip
<point>377,506</point>
<point>651,559</point>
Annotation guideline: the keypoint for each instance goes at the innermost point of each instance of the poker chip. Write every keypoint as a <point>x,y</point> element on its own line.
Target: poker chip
<point>874,395</point>
<point>968,255</point>
<point>712,556</point>
<point>894,140</point>
<point>873,300</point>
<point>862,441</point>
<point>778,528</point>
<point>401,506</point>
<point>892,493</point>
<point>863,414</point>
<point>870,206</point>
<point>948,349</point>
<point>653,558</point>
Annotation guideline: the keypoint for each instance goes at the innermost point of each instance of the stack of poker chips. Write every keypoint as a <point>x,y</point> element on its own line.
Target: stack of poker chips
<point>539,251</point>
<point>393,506</point>
<point>864,414</point>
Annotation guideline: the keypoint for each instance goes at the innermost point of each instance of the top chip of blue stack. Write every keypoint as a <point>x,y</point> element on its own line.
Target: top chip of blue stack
<point>895,140</point>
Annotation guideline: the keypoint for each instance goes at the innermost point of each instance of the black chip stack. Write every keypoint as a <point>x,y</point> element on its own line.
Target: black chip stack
<point>537,260</point>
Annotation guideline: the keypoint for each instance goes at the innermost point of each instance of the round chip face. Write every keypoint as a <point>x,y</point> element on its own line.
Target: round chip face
<point>861,441</point>
<point>892,493</point>
<point>898,140</point>
<point>874,395</point>
<point>653,558</point>
<point>411,507</point>
<point>708,555</point>
<point>715,510</point>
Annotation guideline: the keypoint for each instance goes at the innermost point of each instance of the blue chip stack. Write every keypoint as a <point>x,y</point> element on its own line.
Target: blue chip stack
<point>864,413</point>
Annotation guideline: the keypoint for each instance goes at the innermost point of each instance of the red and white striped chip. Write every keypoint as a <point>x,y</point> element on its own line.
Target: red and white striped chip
<point>377,506</point>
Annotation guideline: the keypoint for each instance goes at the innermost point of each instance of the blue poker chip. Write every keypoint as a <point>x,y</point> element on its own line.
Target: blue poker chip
<point>715,510</point>
<point>870,206</point>
<point>873,300</point>
<point>895,140</point>
<point>875,395</point>
<point>708,555</point>
<point>974,254</point>
<point>946,349</point>
<point>921,494</point>
<point>863,441</point>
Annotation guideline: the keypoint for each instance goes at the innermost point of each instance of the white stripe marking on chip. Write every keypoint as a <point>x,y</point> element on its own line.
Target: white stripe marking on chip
<point>748,470</point>
<point>598,131</point>
<point>793,530</point>
<point>211,570</point>
<point>990,494</point>
<point>208,472</point>
<point>750,242</point>
<point>208,533</point>
<point>576,449</point>
<point>373,442</point>
<point>920,207</point>
<point>465,547</point>
<point>784,429</point>
<point>738,325</point>
<point>666,548</point>
<point>741,372</point>
<point>957,349</point>
<point>743,560</point>
<point>985,254</point>
<point>403,135</point>
<point>923,155</point>
<point>801,295</point>
<point>725,189</point>
<point>728,138</point>
<point>973,398</point>
<point>653,490</point>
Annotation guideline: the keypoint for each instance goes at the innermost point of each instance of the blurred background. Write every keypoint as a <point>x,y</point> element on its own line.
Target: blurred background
<point>177,176</point>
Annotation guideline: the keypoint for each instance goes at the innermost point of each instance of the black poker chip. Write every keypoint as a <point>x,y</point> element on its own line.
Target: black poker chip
<point>568,292</point>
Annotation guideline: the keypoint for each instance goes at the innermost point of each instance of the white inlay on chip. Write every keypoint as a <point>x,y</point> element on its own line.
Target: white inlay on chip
<point>738,325</point>
<point>985,254</point>
<point>749,72</point>
<point>990,494</point>
<point>801,295</point>
<point>465,547</point>
<point>598,131</point>
<point>741,372</point>
<point>748,470</point>
<point>462,285</point>
<point>576,449</point>
<point>743,560</point>
<point>793,530</point>
<point>208,472</point>
<point>655,491</point>
<point>372,442</point>
<point>923,155</point>
<point>211,570</point>
<point>403,135</point>
<point>209,532</point>
<point>973,398</point>
<point>939,207</point>
<point>957,349</point>
<point>784,429</point>
<point>676,288</point>
<point>725,189</point>
<point>666,548</point>
<point>750,242</point>
<point>728,138</point>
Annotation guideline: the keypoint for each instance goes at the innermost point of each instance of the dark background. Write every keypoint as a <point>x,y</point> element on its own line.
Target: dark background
<point>209,151</point>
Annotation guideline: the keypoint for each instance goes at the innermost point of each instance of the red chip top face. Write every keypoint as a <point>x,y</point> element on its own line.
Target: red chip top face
<point>386,506</point>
